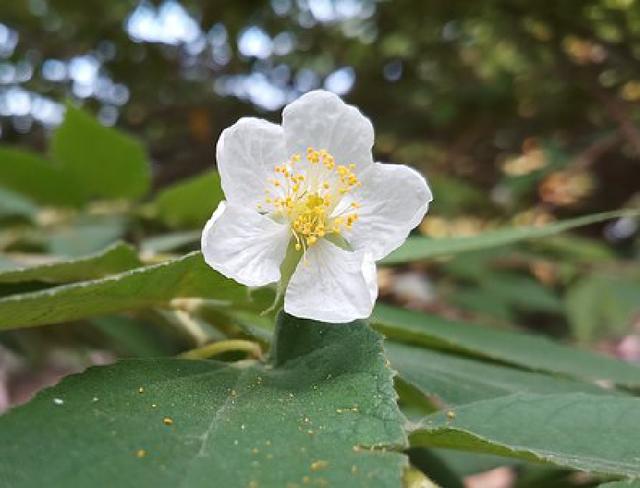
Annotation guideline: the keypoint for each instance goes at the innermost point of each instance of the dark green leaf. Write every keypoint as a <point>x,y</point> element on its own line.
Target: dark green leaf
<point>115,259</point>
<point>131,337</point>
<point>575,430</point>
<point>455,381</point>
<point>324,416</point>
<point>524,350</point>
<point>139,288</point>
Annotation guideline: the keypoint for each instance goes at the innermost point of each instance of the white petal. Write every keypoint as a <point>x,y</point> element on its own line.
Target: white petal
<point>332,285</point>
<point>247,153</point>
<point>394,198</point>
<point>244,245</point>
<point>321,120</point>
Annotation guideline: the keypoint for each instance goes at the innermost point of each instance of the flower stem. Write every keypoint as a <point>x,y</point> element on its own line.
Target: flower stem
<point>216,348</point>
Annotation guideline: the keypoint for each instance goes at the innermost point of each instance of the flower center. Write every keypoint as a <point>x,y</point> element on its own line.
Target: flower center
<point>314,195</point>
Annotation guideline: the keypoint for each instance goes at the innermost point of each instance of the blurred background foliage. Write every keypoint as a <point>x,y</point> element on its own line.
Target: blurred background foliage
<point>519,113</point>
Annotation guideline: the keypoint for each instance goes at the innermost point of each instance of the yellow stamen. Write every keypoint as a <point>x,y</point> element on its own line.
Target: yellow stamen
<point>312,192</point>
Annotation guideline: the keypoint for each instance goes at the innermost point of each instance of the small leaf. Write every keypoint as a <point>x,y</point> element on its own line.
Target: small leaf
<point>29,174</point>
<point>103,162</point>
<point>525,350</point>
<point>170,242</point>
<point>116,258</point>
<point>456,381</point>
<point>189,203</point>
<point>421,248</point>
<point>14,204</point>
<point>325,416</point>
<point>587,432</point>
<point>84,235</point>
<point>142,287</point>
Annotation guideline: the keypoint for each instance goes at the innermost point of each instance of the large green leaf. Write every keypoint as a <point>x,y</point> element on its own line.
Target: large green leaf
<point>189,203</point>
<point>31,175</point>
<point>115,259</point>
<point>455,381</point>
<point>142,287</point>
<point>323,414</point>
<point>421,248</point>
<point>524,350</point>
<point>103,162</point>
<point>586,432</point>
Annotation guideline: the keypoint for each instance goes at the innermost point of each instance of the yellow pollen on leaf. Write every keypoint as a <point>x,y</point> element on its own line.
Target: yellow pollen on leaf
<point>307,192</point>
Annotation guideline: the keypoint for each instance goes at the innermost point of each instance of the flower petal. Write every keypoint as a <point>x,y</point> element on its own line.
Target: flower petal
<point>247,153</point>
<point>244,245</point>
<point>321,120</point>
<point>332,285</point>
<point>394,198</point>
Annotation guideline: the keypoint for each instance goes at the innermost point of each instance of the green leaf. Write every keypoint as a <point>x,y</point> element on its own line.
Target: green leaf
<point>115,259</point>
<point>135,338</point>
<point>602,304</point>
<point>325,415</point>
<point>170,242</point>
<point>621,484</point>
<point>521,292</point>
<point>455,196</point>
<point>29,174</point>
<point>142,287</point>
<point>421,248</point>
<point>571,248</point>
<point>85,235</point>
<point>456,381</point>
<point>103,162</point>
<point>524,350</point>
<point>14,204</point>
<point>575,430</point>
<point>189,203</point>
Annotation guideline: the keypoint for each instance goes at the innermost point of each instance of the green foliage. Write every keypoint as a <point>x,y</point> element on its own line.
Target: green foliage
<point>102,162</point>
<point>601,304</point>
<point>325,413</point>
<point>112,260</point>
<point>85,234</point>
<point>36,178</point>
<point>621,484</point>
<point>421,248</point>
<point>451,380</point>
<point>189,203</point>
<point>576,430</point>
<point>322,409</point>
<point>527,351</point>
<point>142,287</point>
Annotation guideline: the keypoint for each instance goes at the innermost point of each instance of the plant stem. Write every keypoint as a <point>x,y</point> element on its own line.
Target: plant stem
<point>216,348</point>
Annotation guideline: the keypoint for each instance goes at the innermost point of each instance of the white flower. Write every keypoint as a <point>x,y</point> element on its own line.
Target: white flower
<point>309,191</point>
